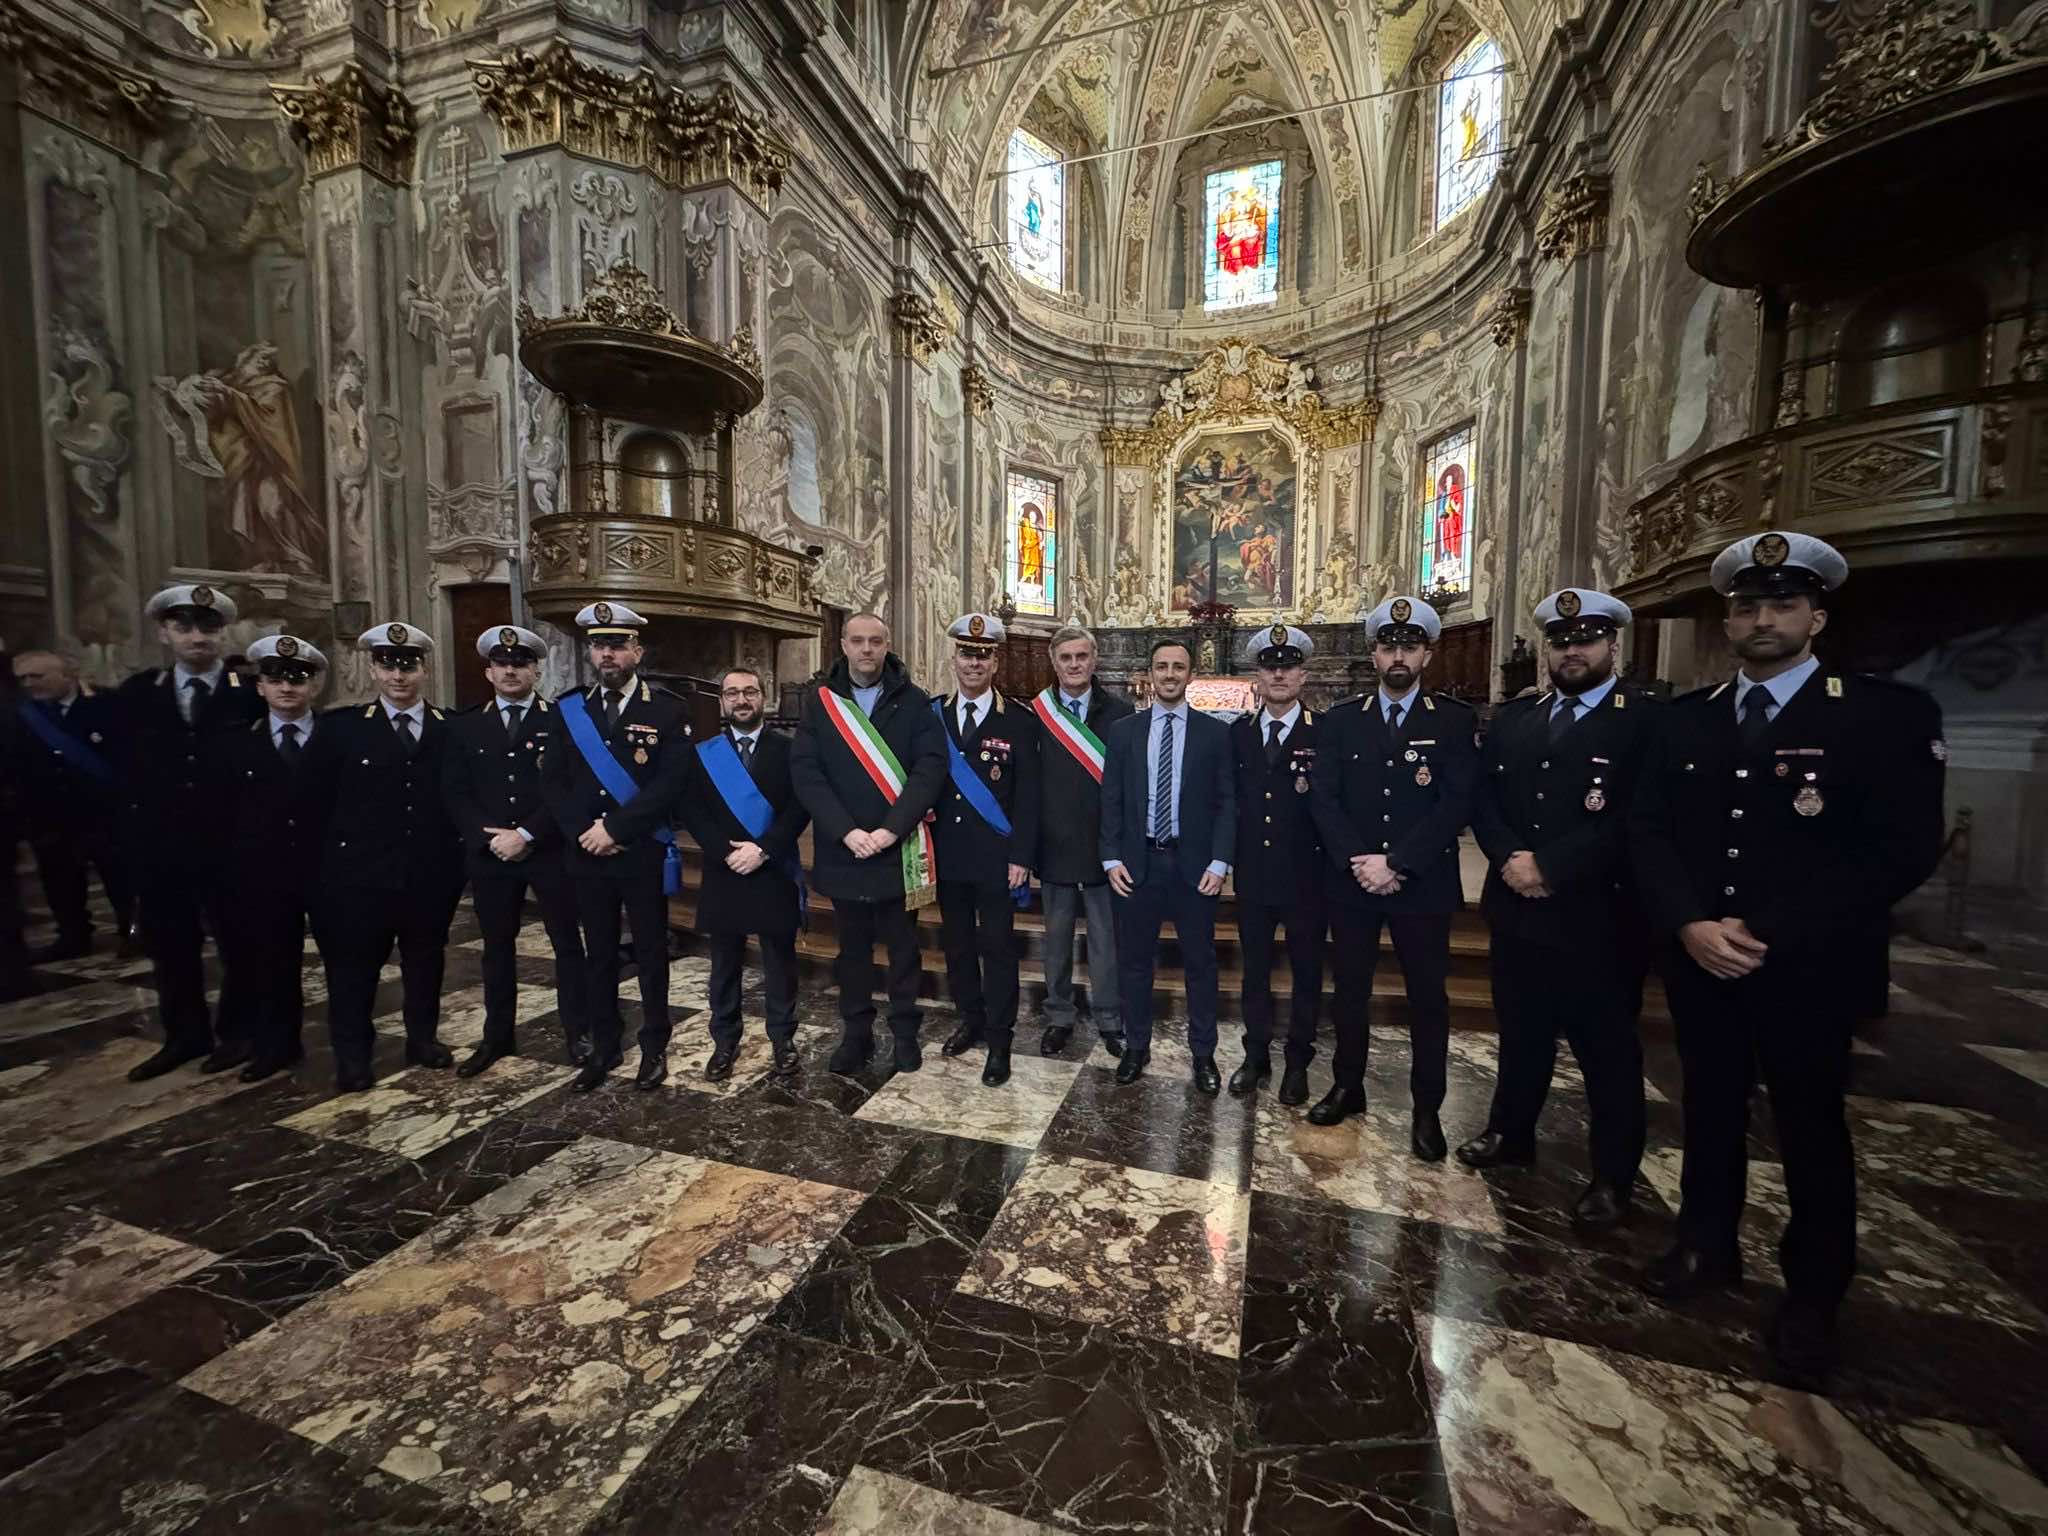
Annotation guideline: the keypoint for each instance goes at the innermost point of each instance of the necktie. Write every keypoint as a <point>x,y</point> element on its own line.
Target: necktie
<point>197,692</point>
<point>746,746</point>
<point>1073,706</point>
<point>1561,718</point>
<point>1756,718</point>
<point>513,714</point>
<point>403,725</point>
<point>611,710</point>
<point>288,742</point>
<point>1162,782</point>
<point>1272,742</point>
<point>967,719</point>
<point>1394,719</point>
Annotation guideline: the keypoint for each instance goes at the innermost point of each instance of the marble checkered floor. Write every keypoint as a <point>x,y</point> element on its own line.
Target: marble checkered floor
<point>906,1304</point>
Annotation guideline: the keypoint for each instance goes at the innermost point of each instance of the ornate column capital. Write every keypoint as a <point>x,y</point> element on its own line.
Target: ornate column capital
<point>1574,217</point>
<point>979,390</point>
<point>350,121</point>
<point>920,329</point>
<point>1508,318</point>
<point>64,80</point>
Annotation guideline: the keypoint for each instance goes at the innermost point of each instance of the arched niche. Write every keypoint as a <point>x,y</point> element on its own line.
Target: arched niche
<point>1306,225</point>
<point>1413,217</point>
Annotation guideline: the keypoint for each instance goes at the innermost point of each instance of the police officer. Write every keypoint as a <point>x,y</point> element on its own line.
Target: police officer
<point>1557,776</point>
<point>391,861</point>
<point>986,829</point>
<point>614,786</point>
<point>1781,814</point>
<point>273,858</point>
<point>73,797</point>
<point>1394,790</point>
<point>1279,872</point>
<point>490,776</point>
<point>172,722</point>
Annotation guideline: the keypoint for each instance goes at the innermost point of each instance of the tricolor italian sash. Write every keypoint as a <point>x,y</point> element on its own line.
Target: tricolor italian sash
<point>920,862</point>
<point>1070,733</point>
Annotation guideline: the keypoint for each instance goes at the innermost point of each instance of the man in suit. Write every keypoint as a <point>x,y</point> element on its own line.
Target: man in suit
<point>1394,790</point>
<point>391,862</point>
<point>1780,816</point>
<point>273,856</point>
<point>172,723</point>
<point>1279,874</point>
<point>747,822</point>
<point>868,726</point>
<point>1556,780</point>
<point>491,779</point>
<point>74,797</point>
<point>986,832</point>
<point>1166,782</point>
<point>1074,716</point>
<point>614,787</point>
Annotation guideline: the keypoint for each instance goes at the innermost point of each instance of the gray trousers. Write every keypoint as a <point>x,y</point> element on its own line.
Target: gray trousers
<point>1063,904</point>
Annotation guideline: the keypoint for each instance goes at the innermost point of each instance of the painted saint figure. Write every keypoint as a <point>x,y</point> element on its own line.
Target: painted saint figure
<point>1031,545</point>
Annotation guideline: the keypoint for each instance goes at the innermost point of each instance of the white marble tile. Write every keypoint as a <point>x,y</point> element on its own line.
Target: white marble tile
<point>872,1503</point>
<point>2032,1065</point>
<point>946,1096</point>
<point>70,1268</point>
<point>49,1012</point>
<point>1482,1051</point>
<point>1911,1004</point>
<point>462,1014</point>
<point>417,1110</point>
<point>1913,952</point>
<point>2038,996</point>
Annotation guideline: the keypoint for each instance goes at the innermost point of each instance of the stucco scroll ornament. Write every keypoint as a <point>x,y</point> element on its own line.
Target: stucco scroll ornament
<point>230,29</point>
<point>87,420</point>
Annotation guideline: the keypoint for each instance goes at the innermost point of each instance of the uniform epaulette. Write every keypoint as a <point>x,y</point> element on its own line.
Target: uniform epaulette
<point>1705,691</point>
<point>543,706</point>
<point>370,710</point>
<point>1525,701</point>
<point>1449,701</point>
<point>434,710</point>
<point>1356,701</point>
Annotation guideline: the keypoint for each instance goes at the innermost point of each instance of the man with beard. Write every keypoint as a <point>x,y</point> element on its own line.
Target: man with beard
<point>747,824</point>
<point>1556,781</point>
<point>614,787</point>
<point>391,865</point>
<point>1073,716</point>
<point>273,854</point>
<point>1395,789</point>
<point>491,779</point>
<point>1279,874</point>
<point>1780,815</point>
<point>986,835</point>
<point>869,761</point>
<point>74,798</point>
<point>173,722</point>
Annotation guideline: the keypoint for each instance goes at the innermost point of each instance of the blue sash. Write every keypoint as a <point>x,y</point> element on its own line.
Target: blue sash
<point>744,799</point>
<point>978,795</point>
<point>67,746</point>
<point>617,783</point>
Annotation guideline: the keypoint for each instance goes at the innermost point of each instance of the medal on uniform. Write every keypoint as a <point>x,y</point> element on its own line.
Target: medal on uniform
<point>995,770</point>
<point>1301,784</point>
<point>1784,769</point>
<point>1808,801</point>
<point>1422,774</point>
<point>1596,799</point>
<point>1411,754</point>
<point>640,756</point>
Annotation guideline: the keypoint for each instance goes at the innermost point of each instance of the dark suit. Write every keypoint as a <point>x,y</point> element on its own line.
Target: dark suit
<point>1809,837</point>
<point>1565,963</point>
<point>175,805</point>
<point>764,904</point>
<point>650,740</point>
<point>1279,879</point>
<point>1403,794</point>
<point>1165,873</point>
<point>74,817</point>
<point>492,779</point>
<point>977,914</point>
<point>273,862</point>
<point>1070,873</point>
<point>390,870</point>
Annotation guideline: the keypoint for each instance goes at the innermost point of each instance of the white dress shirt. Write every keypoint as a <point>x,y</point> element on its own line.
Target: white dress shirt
<point>1179,712</point>
<point>867,698</point>
<point>982,706</point>
<point>417,714</point>
<point>1287,723</point>
<point>1587,701</point>
<point>1407,701</point>
<point>1779,689</point>
<point>278,723</point>
<point>183,678</point>
<point>1075,704</point>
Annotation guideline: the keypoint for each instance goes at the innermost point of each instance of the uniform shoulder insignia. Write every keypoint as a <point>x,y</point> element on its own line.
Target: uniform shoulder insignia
<point>1429,702</point>
<point>1356,701</point>
<point>999,701</point>
<point>436,713</point>
<point>1834,687</point>
<point>647,693</point>
<point>234,678</point>
<point>1620,699</point>
<point>85,689</point>
<point>1308,716</point>
<point>543,706</point>
<point>370,710</point>
<point>258,724</point>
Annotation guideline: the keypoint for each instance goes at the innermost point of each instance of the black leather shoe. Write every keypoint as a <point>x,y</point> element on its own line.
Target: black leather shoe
<point>653,1071</point>
<point>226,1055</point>
<point>1601,1208</point>
<point>1802,1340</point>
<point>996,1070</point>
<point>579,1050</point>
<point>1207,1078</point>
<point>962,1039</point>
<point>1426,1136</point>
<point>1294,1085</point>
<point>1131,1065</point>
<point>1054,1040</point>
<point>1114,1044</point>
<point>594,1072</point>
<point>261,1067</point>
<point>482,1057</point>
<point>1684,1273</point>
<point>719,1067</point>
<point>1336,1106</point>
<point>169,1059</point>
<point>353,1079</point>
<point>432,1054</point>
<point>1490,1149</point>
<point>1246,1079</point>
<point>908,1057</point>
<point>851,1054</point>
<point>787,1062</point>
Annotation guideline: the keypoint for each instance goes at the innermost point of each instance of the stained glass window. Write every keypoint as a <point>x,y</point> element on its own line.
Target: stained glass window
<point>1030,562</point>
<point>1241,258</point>
<point>1444,569</point>
<point>1038,210</point>
<point>1468,128</point>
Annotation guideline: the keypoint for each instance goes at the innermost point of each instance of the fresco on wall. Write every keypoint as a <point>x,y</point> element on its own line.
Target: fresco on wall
<point>1233,521</point>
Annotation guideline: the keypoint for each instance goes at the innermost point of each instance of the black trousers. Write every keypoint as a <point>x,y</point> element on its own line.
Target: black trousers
<point>778,982</point>
<point>1166,894</point>
<point>13,952</point>
<point>1589,995</point>
<point>601,895</point>
<point>178,906</point>
<point>263,964</point>
<point>1306,923</point>
<point>978,923</point>
<point>500,901</point>
<point>860,923</point>
<point>1423,941</point>
<point>356,930</point>
<point>1791,1028</point>
<point>62,859</point>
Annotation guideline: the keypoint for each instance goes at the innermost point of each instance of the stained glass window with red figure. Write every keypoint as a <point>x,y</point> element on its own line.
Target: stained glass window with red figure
<point>1241,259</point>
<point>1446,512</point>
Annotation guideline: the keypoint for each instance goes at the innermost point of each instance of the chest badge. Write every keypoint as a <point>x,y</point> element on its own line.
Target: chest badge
<point>640,756</point>
<point>1596,799</point>
<point>1784,769</point>
<point>1301,784</point>
<point>995,770</point>
<point>1808,801</point>
<point>1411,754</point>
<point>1422,775</point>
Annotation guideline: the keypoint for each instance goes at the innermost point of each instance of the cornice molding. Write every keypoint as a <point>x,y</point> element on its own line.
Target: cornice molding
<point>63,79</point>
<point>349,121</point>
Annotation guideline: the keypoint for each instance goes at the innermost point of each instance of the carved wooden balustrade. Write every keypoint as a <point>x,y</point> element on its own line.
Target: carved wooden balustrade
<point>667,568</point>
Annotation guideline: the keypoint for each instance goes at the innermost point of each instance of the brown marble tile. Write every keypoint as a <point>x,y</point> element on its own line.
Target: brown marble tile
<point>462,1015</point>
<point>73,1267</point>
<point>872,1503</point>
<point>1903,1142</point>
<point>48,1012</point>
<point>411,1114</point>
<point>2032,1065</point>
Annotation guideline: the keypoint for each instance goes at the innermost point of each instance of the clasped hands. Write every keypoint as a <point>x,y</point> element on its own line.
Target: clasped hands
<point>1375,874</point>
<point>1723,947</point>
<point>595,840</point>
<point>1523,876</point>
<point>508,845</point>
<point>865,845</point>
